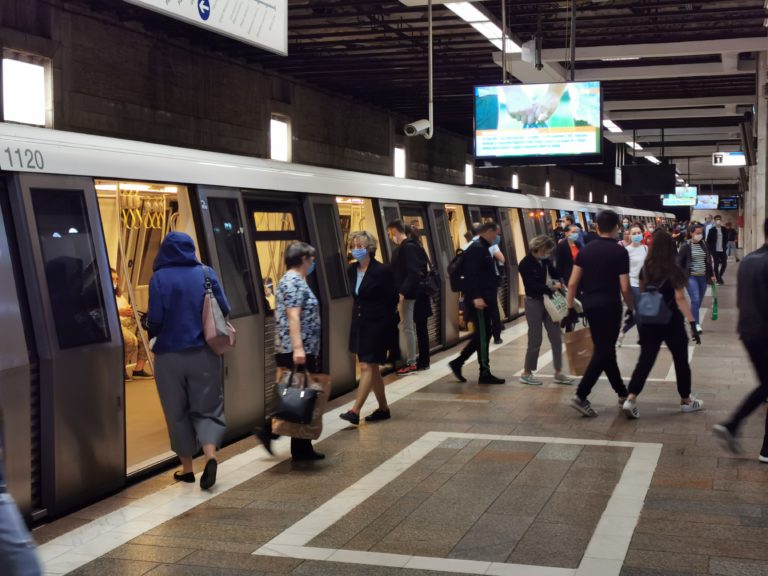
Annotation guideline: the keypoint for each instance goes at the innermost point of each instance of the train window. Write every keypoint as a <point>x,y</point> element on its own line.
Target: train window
<point>356,214</point>
<point>229,238</point>
<point>330,250</point>
<point>71,271</point>
<point>274,221</point>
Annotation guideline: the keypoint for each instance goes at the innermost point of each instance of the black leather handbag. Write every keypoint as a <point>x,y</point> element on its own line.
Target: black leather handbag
<point>296,401</point>
<point>429,283</point>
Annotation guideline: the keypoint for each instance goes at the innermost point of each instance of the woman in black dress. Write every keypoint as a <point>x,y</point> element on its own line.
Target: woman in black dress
<point>373,334</point>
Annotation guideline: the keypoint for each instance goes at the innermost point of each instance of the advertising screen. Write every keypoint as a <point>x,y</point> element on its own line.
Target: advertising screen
<point>706,202</point>
<point>648,179</point>
<point>687,191</point>
<point>548,122</point>
<point>675,200</point>
<point>729,203</point>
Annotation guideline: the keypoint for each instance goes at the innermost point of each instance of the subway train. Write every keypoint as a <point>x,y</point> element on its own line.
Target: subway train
<point>81,219</point>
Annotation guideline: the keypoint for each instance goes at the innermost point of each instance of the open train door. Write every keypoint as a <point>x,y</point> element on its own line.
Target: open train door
<point>78,339</point>
<point>228,240</point>
<point>511,285</point>
<point>444,252</point>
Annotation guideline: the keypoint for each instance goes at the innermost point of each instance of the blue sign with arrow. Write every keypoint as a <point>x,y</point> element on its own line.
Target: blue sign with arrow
<point>204,8</point>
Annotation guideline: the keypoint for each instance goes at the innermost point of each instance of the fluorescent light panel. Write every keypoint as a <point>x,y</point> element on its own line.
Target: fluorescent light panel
<point>634,145</point>
<point>278,133</point>
<point>653,159</point>
<point>469,174</point>
<point>399,162</point>
<point>612,126</point>
<point>468,12</point>
<point>515,181</point>
<point>23,92</point>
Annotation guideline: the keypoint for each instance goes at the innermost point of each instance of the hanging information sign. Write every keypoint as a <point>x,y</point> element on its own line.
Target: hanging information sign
<point>263,23</point>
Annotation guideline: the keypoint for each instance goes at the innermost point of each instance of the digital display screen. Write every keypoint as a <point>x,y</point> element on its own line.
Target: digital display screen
<point>687,191</point>
<point>707,202</point>
<point>538,120</point>
<point>675,200</point>
<point>729,203</point>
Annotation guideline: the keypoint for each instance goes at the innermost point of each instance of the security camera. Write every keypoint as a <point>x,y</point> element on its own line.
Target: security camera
<point>418,128</point>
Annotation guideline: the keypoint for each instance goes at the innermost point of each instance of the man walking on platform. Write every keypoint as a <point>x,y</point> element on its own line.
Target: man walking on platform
<point>601,274</point>
<point>717,241</point>
<point>752,299</point>
<point>480,287</point>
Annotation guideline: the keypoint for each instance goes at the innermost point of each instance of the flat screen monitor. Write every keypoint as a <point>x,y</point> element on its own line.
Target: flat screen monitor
<point>687,191</point>
<point>706,202</point>
<point>538,124</point>
<point>675,200</point>
<point>729,203</point>
<point>648,179</point>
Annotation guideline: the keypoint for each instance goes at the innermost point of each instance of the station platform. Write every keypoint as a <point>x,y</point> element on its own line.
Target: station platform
<point>500,480</point>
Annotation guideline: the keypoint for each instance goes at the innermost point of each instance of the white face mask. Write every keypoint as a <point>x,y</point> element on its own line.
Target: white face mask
<point>698,237</point>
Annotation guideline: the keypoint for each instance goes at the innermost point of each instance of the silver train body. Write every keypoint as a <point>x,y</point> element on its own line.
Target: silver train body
<point>72,206</point>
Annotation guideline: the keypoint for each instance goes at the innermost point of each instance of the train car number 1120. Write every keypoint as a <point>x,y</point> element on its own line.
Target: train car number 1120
<point>24,159</point>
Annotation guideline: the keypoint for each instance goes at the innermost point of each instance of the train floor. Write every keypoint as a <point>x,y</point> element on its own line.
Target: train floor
<point>503,480</point>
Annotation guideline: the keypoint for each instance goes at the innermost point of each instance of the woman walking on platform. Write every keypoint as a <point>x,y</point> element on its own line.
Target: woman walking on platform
<point>189,375</point>
<point>697,263</point>
<point>662,272</point>
<point>373,333</point>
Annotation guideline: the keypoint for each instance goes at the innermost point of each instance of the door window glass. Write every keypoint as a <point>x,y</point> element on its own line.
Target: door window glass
<point>457,225</point>
<point>356,214</point>
<point>229,238</point>
<point>330,250</point>
<point>274,221</point>
<point>71,270</point>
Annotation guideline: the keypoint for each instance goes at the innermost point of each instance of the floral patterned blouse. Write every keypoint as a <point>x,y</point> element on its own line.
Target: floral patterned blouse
<point>294,292</point>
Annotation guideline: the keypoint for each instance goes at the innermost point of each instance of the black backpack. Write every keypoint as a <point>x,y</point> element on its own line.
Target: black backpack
<point>650,309</point>
<point>456,271</point>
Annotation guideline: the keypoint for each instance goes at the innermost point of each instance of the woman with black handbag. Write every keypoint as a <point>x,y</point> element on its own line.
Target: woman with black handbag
<point>539,275</point>
<point>373,334</point>
<point>297,334</point>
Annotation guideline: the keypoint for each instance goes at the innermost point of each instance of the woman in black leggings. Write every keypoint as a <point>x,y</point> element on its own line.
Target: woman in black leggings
<point>661,270</point>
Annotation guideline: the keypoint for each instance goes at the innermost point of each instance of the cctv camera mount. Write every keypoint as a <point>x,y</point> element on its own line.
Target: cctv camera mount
<point>425,127</point>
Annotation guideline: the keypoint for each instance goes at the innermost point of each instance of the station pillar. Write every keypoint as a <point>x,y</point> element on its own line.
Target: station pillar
<point>755,197</point>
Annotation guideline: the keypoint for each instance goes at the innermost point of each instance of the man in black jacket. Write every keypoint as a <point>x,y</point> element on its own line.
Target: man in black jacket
<point>409,264</point>
<point>480,287</point>
<point>717,241</point>
<point>752,298</point>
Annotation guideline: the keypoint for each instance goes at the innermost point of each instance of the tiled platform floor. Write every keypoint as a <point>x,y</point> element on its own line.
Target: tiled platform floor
<point>488,502</point>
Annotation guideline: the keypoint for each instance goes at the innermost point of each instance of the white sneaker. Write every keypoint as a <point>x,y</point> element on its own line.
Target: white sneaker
<point>564,379</point>
<point>763,459</point>
<point>694,406</point>
<point>699,329</point>
<point>630,409</point>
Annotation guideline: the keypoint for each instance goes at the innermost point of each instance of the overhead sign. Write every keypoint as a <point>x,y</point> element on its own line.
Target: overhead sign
<point>262,23</point>
<point>729,159</point>
<point>674,200</point>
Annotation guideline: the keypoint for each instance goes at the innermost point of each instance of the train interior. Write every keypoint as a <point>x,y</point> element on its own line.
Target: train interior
<point>136,217</point>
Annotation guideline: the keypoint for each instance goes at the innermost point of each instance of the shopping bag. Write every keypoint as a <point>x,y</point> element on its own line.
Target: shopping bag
<point>556,306</point>
<point>321,383</point>
<point>578,349</point>
<point>715,311</point>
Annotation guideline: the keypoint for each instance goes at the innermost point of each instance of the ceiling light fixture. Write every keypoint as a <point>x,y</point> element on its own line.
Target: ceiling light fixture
<point>612,126</point>
<point>653,159</point>
<point>477,18</point>
<point>634,145</point>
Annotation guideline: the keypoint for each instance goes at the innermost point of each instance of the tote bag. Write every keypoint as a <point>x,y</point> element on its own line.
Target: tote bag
<point>579,349</point>
<point>218,333</point>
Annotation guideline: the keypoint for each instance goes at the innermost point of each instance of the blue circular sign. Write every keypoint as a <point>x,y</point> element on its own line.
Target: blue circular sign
<point>204,8</point>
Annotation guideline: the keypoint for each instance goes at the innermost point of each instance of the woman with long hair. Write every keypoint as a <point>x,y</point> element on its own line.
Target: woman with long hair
<point>661,272</point>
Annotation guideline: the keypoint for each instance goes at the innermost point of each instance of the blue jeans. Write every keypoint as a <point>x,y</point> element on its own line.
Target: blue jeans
<point>697,287</point>
<point>17,549</point>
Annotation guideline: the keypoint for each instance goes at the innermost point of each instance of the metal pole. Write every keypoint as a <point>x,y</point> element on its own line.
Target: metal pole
<point>431,129</point>
<point>573,40</point>
<point>503,42</point>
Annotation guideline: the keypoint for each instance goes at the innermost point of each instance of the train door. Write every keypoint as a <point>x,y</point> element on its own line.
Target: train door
<point>415,215</point>
<point>228,239</point>
<point>459,229</point>
<point>77,337</point>
<point>325,233</point>
<point>444,250</point>
<point>16,372</point>
<point>136,217</point>
<point>521,249</point>
<point>510,288</point>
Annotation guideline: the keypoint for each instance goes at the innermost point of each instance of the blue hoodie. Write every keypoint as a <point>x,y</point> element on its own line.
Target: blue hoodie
<point>176,294</point>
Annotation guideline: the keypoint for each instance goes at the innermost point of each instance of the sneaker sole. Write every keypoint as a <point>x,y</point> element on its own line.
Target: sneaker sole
<point>531,383</point>
<point>763,459</point>
<point>630,414</point>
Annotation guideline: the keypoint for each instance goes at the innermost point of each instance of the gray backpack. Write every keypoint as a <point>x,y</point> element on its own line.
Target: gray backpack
<point>650,309</point>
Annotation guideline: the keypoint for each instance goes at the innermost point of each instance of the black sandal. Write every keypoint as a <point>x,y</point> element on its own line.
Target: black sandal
<point>188,477</point>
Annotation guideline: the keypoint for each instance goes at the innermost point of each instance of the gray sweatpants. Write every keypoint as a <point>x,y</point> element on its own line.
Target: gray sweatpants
<point>190,385</point>
<point>537,316</point>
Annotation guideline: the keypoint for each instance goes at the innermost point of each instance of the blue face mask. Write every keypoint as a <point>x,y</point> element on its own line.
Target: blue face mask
<point>497,241</point>
<point>574,237</point>
<point>637,238</point>
<point>359,254</point>
<point>625,224</point>
<point>312,267</point>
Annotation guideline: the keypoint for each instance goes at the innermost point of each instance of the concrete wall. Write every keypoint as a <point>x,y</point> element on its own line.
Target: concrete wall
<point>119,79</point>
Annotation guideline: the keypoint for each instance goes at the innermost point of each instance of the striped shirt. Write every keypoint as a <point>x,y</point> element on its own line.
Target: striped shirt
<point>698,260</point>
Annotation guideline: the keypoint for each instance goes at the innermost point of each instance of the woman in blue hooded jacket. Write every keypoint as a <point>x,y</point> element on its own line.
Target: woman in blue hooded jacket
<point>189,375</point>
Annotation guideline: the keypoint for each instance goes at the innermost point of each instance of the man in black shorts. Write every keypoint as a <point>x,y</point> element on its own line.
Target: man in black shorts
<point>601,275</point>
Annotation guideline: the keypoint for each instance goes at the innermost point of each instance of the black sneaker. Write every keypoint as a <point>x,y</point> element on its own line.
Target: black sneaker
<point>489,378</point>
<point>455,367</point>
<point>188,477</point>
<point>422,367</point>
<point>498,341</point>
<point>351,417</point>
<point>265,436</point>
<point>378,415</point>
<point>142,375</point>
<point>308,456</point>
